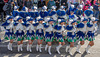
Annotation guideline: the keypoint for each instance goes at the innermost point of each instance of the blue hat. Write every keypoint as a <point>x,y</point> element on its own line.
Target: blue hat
<point>44,7</point>
<point>94,19</point>
<point>10,17</point>
<point>61,20</point>
<point>62,7</point>
<point>51,19</point>
<point>39,18</point>
<point>31,19</point>
<point>34,7</point>
<point>84,19</point>
<point>24,8</point>
<point>16,7</point>
<point>91,7</point>
<point>53,7</point>
<point>80,6</point>
<point>19,18</point>
<point>73,21</point>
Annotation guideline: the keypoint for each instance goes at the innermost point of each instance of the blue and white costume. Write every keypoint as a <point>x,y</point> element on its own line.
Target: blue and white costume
<point>59,29</point>
<point>72,16</point>
<point>19,29</point>
<point>71,30</point>
<point>52,13</point>
<point>88,13</point>
<point>91,29</point>
<point>44,13</point>
<point>34,13</point>
<point>30,32</point>
<point>9,27</point>
<point>72,8</point>
<point>49,34</point>
<point>39,32</point>
<point>61,13</point>
<point>79,12</point>
<point>71,34</point>
<point>24,13</point>
<point>15,11</point>
<point>49,31</point>
<point>82,30</point>
<point>30,29</point>
<point>39,29</point>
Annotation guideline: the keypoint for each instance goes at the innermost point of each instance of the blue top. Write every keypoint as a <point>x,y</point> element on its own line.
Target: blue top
<point>44,14</point>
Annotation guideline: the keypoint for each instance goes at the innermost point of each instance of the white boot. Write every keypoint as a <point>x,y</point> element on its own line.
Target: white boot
<point>30,48</point>
<point>49,50</point>
<point>58,47</point>
<point>46,47</point>
<point>70,50</point>
<point>27,47</point>
<point>18,48</point>
<point>37,47</point>
<point>78,48</point>
<point>9,46</point>
<point>40,48</point>
<point>67,47</point>
<point>21,45</point>
<point>87,49</point>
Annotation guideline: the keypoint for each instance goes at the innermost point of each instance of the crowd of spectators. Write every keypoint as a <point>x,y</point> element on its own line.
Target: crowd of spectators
<point>6,6</point>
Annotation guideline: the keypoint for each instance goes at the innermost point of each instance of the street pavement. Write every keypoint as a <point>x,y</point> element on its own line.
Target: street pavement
<point>4,52</point>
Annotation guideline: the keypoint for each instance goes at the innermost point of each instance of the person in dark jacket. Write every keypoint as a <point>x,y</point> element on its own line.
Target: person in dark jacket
<point>57,4</point>
<point>28,4</point>
<point>1,9</point>
<point>64,3</point>
<point>41,3</point>
<point>50,4</point>
<point>20,4</point>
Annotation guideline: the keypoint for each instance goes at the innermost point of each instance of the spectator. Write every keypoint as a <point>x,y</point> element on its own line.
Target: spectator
<point>20,4</point>
<point>35,2</point>
<point>46,2</point>
<point>57,4</point>
<point>41,3</point>
<point>86,6</point>
<point>8,7</point>
<point>64,3</point>
<point>96,10</point>
<point>1,9</point>
<point>50,4</point>
<point>28,4</point>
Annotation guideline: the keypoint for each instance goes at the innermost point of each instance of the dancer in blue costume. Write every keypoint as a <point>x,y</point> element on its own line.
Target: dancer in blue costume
<point>61,13</point>
<point>52,13</point>
<point>81,33</point>
<point>19,27</point>
<point>88,13</point>
<point>15,11</point>
<point>30,32</point>
<point>71,35</point>
<point>44,13</point>
<point>9,34</point>
<point>49,34</point>
<point>90,34</point>
<point>39,33</point>
<point>79,13</point>
<point>34,13</point>
<point>59,29</point>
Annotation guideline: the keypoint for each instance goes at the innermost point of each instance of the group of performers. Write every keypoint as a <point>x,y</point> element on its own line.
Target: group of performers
<point>62,25</point>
